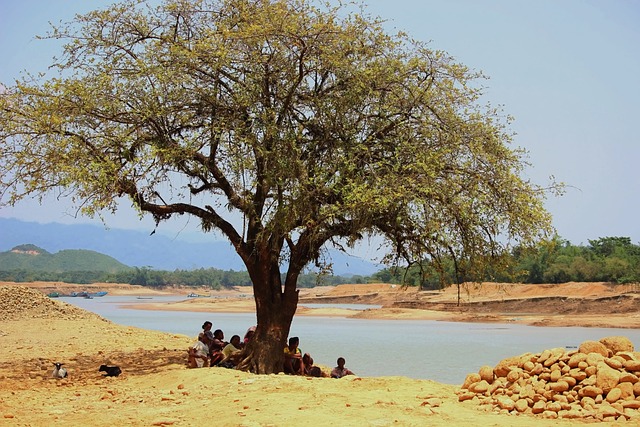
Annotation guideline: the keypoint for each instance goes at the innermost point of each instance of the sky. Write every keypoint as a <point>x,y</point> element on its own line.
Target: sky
<point>568,72</point>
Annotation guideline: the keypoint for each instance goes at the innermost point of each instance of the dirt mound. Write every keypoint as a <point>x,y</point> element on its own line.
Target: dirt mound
<point>69,334</point>
<point>20,302</point>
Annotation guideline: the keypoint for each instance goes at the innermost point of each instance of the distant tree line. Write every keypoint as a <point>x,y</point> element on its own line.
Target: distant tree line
<point>81,277</point>
<point>145,276</point>
<point>607,259</point>
<point>217,279</point>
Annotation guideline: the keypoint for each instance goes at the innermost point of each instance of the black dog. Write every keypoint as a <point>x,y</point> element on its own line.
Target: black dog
<point>111,371</point>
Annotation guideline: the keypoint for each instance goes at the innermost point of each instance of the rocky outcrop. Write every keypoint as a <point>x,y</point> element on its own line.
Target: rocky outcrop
<point>599,381</point>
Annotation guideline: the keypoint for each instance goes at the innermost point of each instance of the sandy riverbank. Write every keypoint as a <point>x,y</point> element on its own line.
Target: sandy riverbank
<point>156,389</point>
<point>569,304</point>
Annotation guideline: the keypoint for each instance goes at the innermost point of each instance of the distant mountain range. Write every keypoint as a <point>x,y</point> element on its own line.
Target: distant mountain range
<point>139,249</point>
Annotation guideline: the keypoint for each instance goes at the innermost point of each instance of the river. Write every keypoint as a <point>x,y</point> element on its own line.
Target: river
<point>423,349</point>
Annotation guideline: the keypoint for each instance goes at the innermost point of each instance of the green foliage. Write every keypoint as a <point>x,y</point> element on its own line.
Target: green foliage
<point>312,124</point>
<point>81,277</point>
<point>284,126</point>
<point>32,258</point>
<point>28,263</point>
<point>608,259</point>
<point>557,261</point>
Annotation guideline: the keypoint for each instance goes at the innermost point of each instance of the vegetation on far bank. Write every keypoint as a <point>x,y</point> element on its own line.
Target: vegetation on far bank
<point>607,259</point>
<point>30,263</point>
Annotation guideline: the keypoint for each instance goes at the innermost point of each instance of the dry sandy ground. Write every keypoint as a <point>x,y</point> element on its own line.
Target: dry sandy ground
<point>156,389</point>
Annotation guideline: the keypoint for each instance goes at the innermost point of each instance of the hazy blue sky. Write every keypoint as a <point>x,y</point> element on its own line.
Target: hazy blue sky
<point>568,71</point>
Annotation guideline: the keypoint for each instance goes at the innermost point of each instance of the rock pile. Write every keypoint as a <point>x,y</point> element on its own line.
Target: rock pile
<point>20,302</point>
<point>599,381</point>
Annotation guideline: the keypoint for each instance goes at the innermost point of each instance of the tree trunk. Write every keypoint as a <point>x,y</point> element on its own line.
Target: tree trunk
<point>274,312</point>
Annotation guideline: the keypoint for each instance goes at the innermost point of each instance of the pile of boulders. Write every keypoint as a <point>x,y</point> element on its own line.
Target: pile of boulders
<point>22,303</point>
<point>598,381</point>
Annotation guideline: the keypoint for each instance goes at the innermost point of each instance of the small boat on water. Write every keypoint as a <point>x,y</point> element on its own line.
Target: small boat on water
<point>145,297</point>
<point>192,295</point>
<point>53,294</point>
<point>86,294</point>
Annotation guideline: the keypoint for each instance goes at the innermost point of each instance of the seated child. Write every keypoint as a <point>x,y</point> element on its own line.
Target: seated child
<point>293,358</point>
<point>216,346</point>
<point>232,353</point>
<point>248,335</point>
<point>340,371</point>
<point>309,369</point>
<point>198,353</point>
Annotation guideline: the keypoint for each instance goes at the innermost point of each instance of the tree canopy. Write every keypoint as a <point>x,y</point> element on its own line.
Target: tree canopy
<point>284,125</point>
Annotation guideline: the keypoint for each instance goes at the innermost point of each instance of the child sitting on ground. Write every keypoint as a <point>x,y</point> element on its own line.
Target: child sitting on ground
<point>340,371</point>
<point>198,353</point>
<point>232,353</point>
<point>309,369</point>
<point>293,364</point>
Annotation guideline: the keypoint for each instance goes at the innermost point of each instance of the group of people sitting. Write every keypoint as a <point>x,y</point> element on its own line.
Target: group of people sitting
<point>297,363</point>
<point>211,350</point>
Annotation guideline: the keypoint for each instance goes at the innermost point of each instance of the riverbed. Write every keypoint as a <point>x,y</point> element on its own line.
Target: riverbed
<point>422,349</point>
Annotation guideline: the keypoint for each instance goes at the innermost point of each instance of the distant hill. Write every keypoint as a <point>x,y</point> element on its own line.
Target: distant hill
<point>140,249</point>
<point>31,257</point>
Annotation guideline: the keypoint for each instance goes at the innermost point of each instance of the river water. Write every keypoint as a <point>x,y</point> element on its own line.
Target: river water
<point>423,349</point>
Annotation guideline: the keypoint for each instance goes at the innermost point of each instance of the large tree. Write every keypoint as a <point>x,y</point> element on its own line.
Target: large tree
<point>283,125</point>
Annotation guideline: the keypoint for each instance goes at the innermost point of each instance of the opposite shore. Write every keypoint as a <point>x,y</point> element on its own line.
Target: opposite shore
<point>571,304</point>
